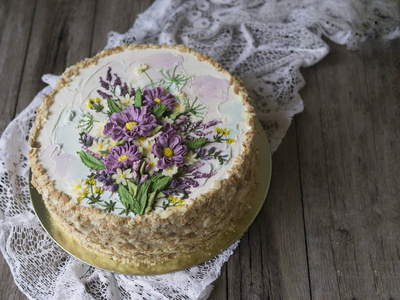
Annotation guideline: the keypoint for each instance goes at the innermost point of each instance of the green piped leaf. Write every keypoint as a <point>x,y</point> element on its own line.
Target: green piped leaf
<point>142,168</point>
<point>156,177</point>
<point>142,196</point>
<point>133,188</point>
<point>90,161</point>
<point>156,129</point>
<point>126,197</point>
<point>138,97</point>
<point>120,142</point>
<point>112,106</point>
<point>159,110</point>
<point>150,200</point>
<point>194,144</point>
<point>161,183</point>
<point>160,195</point>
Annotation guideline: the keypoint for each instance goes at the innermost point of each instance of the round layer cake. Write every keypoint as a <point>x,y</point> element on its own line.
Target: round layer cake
<point>145,152</point>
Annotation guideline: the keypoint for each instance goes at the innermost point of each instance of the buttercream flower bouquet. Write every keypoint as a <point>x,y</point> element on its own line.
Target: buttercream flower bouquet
<point>152,147</point>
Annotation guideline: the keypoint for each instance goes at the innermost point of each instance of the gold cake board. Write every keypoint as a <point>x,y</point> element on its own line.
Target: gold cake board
<point>177,263</point>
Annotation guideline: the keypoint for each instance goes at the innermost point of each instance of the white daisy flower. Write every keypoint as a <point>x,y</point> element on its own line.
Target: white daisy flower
<point>139,69</point>
<point>180,95</point>
<point>167,120</point>
<point>152,160</point>
<point>190,158</point>
<point>145,143</point>
<point>98,128</point>
<point>79,188</point>
<point>179,108</point>
<point>101,145</point>
<point>127,99</point>
<point>121,176</point>
<point>170,171</point>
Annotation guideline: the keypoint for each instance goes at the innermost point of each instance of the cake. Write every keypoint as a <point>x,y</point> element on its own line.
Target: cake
<point>144,152</point>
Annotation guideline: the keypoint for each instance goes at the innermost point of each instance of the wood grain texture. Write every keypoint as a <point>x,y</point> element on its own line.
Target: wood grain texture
<point>16,21</point>
<point>56,26</point>
<point>349,157</point>
<point>329,227</point>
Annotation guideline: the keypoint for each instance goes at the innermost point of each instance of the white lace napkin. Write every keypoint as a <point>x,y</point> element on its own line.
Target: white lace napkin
<point>264,43</point>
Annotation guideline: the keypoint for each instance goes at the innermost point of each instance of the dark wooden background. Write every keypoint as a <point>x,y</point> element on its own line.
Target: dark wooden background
<point>330,227</point>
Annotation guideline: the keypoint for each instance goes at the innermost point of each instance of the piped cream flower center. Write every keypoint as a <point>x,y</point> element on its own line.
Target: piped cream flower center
<point>122,157</point>
<point>130,125</point>
<point>168,152</point>
<point>157,100</point>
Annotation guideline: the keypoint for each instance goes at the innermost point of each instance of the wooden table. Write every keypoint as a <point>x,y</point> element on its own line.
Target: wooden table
<point>330,227</point>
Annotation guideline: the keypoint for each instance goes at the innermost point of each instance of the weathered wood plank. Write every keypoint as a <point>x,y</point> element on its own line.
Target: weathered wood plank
<point>219,291</point>
<point>54,27</point>
<point>15,23</point>
<point>284,256</point>
<point>271,261</point>
<point>382,78</point>
<point>116,16</point>
<point>349,157</point>
<point>61,36</point>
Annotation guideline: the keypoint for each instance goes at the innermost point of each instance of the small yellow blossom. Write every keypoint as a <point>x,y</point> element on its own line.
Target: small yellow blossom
<point>98,190</point>
<point>91,181</point>
<point>175,201</point>
<point>90,102</point>
<point>222,131</point>
<point>230,141</point>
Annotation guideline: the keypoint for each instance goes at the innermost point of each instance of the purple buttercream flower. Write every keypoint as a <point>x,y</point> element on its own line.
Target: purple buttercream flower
<point>130,123</point>
<point>103,95</point>
<point>191,182</point>
<point>124,89</point>
<point>104,84</point>
<point>122,157</point>
<point>169,148</point>
<point>109,77</point>
<point>117,80</point>
<point>156,97</point>
<point>181,119</point>
<point>143,178</point>
<point>168,128</point>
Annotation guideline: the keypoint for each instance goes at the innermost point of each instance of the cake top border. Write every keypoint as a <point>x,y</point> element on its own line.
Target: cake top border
<point>38,171</point>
